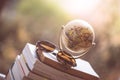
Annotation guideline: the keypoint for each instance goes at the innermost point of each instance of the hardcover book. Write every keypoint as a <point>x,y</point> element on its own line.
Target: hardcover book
<point>44,66</point>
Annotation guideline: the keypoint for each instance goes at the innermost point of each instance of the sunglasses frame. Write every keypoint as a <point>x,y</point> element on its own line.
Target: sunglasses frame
<point>63,57</point>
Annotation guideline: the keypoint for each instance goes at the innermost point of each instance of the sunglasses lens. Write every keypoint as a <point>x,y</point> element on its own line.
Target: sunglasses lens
<point>45,46</point>
<point>62,56</point>
<point>66,58</point>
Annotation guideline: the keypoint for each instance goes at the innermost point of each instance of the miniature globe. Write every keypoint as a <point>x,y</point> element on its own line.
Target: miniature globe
<point>77,37</point>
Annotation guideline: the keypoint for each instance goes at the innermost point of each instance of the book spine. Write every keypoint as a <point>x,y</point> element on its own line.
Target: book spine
<point>15,72</point>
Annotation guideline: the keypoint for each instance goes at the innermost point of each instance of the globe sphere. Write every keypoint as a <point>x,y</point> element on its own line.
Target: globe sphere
<point>77,37</point>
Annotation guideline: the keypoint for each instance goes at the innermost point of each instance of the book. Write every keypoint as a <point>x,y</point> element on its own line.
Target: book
<point>9,75</point>
<point>30,65</point>
<point>19,69</point>
<point>50,68</point>
<point>26,70</point>
<point>15,70</point>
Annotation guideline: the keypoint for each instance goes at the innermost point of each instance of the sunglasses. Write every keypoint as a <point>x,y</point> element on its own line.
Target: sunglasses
<point>62,56</point>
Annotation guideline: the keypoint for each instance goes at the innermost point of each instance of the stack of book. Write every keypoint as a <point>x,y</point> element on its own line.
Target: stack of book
<point>27,66</point>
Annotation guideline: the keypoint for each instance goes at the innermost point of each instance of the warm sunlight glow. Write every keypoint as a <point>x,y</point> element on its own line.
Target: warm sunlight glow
<point>76,7</point>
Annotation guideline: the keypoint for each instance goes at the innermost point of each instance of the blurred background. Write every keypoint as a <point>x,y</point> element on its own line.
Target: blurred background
<point>23,21</point>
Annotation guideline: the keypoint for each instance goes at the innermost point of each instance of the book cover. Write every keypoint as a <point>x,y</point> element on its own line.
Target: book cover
<point>52,68</point>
